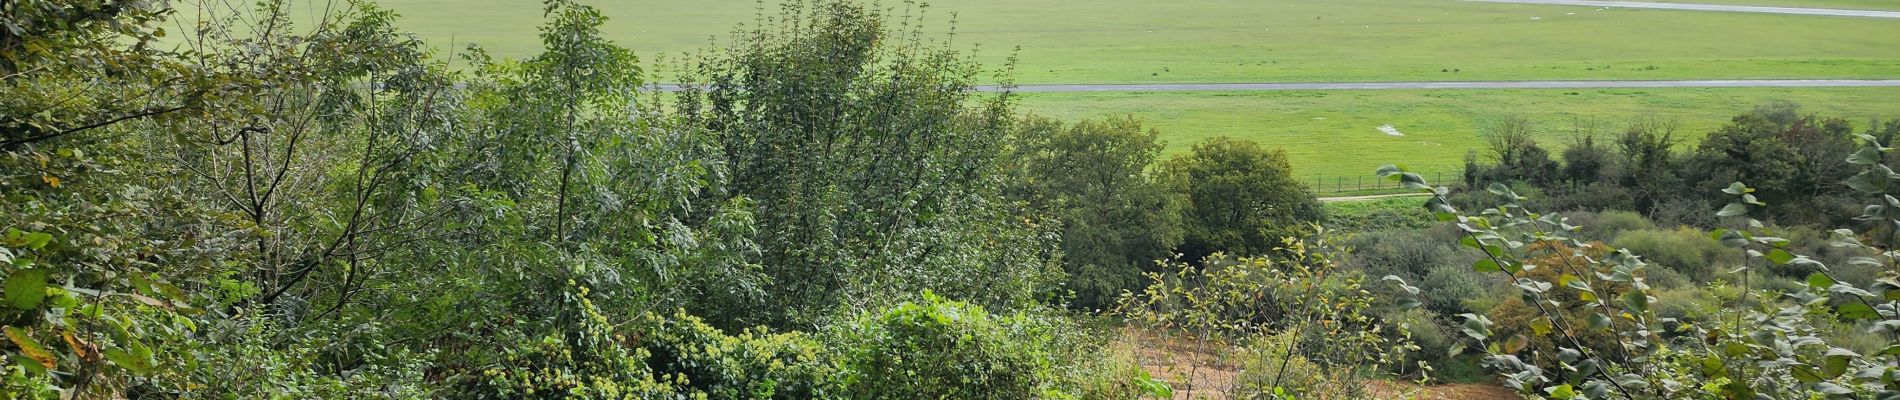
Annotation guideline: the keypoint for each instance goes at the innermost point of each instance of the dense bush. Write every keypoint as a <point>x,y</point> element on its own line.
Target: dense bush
<point>1692,254</point>
<point>318,204</point>
<point>1426,261</point>
<point>1587,325</point>
<point>1794,157</point>
<point>1092,177</point>
<point>876,168</point>
<point>1241,198</point>
<point>949,350</point>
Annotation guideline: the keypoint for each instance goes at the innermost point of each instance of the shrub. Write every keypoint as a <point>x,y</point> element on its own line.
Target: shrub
<point>1605,225</point>
<point>1266,367</point>
<point>1686,304</point>
<point>1692,254</point>
<point>941,349</point>
<point>1241,198</point>
<point>753,365</point>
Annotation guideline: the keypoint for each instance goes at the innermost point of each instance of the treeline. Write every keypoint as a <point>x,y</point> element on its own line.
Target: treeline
<point>328,209</point>
<point>1795,160</point>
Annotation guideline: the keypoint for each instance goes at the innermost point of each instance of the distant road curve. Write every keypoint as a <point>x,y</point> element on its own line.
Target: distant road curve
<point>1165,87</point>
<point>1710,7</point>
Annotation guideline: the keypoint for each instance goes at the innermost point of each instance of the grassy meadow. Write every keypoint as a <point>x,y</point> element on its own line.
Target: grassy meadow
<point>1327,133</point>
<point>1139,41</point>
<point>1334,133</point>
<point>1878,5</point>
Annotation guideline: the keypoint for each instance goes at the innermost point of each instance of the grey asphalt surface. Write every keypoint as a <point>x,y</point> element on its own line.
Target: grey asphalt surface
<point>1710,7</point>
<point>1180,87</point>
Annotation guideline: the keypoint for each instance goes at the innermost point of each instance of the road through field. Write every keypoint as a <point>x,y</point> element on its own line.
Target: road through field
<point>1709,7</point>
<point>1188,87</point>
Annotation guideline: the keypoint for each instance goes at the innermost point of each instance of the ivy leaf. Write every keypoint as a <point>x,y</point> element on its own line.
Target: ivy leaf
<point>31,348</point>
<point>26,288</point>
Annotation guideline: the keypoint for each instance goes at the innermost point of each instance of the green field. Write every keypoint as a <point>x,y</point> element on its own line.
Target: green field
<point>1327,133</point>
<point>1878,5</point>
<point>1128,41</point>
<point>1334,133</point>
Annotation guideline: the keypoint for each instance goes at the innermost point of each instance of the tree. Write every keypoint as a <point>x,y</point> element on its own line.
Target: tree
<point>1241,198</point>
<point>1117,219</point>
<point>874,167</point>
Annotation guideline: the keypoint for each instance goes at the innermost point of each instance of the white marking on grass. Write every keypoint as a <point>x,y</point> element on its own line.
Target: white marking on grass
<point>1389,130</point>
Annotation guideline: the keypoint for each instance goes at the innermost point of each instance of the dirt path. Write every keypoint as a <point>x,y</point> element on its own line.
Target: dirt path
<point>1710,7</point>
<point>1197,373</point>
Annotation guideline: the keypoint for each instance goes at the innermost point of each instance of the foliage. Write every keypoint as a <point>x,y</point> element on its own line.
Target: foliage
<point>1305,296</point>
<point>947,349</point>
<point>1241,198</point>
<point>873,166</point>
<point>1773,347</point>
<point>1116,218</point>
<point>1792,156</point>
<point>1373,215</point>
<point>1270,359</point>
<point>1688,252</point>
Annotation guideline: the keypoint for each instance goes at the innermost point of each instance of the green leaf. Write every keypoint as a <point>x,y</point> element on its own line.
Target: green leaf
<point>1868,182</point>
<point>1780,256</point>
<point>1834,363</point>
<point>1866,156</point>
<point>1731,238</point>
<point>1486,265</point>
<point>1636,302</point>
<point>1561,392</point>
<point>26,288</point>
<point>1857,310</point>
<point>1737,188</point>
<point>1476,326</point>
<point>1820,281</point>
<point>1732,209</point>
<point>37,240</point>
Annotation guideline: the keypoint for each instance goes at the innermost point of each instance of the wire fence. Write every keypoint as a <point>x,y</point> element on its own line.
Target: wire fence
<point>1327,184</point>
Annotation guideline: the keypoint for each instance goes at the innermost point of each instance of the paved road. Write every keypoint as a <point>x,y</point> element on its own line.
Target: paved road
<point>1455,85</point>
<point>1710,7</point>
